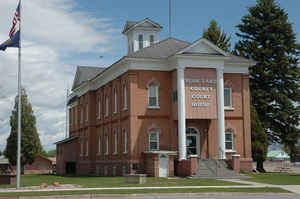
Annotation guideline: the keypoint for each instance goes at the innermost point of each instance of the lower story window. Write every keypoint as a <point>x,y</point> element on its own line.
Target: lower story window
<point>153,141</point>
<point>229,141</point>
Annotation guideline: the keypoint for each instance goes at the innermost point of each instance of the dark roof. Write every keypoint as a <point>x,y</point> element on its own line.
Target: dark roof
<point>66,140</point>
<point>162,49</point>
<point>85,73</point>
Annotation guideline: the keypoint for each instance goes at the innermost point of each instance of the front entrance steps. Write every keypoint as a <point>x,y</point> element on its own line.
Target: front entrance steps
<point>212,168</point>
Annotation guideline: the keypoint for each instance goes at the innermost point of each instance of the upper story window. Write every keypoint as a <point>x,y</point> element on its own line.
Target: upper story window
<point>229,140</point>
<point>153,90</point>
<point>125,140</point>
<point>87,112</point>
<point>141,42</point>
<point>75,115</point>
<point>151,39</point>
<point>99,109</point>
<point>115,100</point>
<point>106,106</point>
<point>125,97</point>
<point>227,97</point>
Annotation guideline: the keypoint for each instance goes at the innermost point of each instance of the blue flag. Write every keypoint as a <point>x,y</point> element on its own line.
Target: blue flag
<point>14,35</point>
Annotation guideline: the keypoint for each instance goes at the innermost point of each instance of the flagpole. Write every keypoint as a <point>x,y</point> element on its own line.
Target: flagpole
<point>19,104</point>
<point>170,19</point>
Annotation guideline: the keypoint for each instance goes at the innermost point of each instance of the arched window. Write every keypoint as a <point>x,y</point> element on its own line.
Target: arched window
<point>106,106</point>
<point>124,97</point>
<point>153,91</point>
<point>153,133</point>
<point>107,143</point>
<point>115,100</point>
<point>229,139</point>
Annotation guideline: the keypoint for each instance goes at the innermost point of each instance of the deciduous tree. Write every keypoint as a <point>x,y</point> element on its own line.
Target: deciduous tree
<point>30,145</point>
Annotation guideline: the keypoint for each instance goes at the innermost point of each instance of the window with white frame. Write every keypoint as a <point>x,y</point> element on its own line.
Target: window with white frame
<point>151,39</point>
<point>115,100</point>
<point>115,141</point>
<point>106,106</point>
<point>229,140</point>
<point>99,109</point>
<point>124,97</point>
<point>87,112</point>
<point>99,145</point>
<point>106,144</point>
<point>227,97</point>
<point>125,140</point>
<point>87,147</point>
<point>153,140</point>
<point>153,96</point>
<point>141,42</point>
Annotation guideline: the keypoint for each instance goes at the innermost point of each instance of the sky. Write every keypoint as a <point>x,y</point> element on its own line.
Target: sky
<point>59,35</point>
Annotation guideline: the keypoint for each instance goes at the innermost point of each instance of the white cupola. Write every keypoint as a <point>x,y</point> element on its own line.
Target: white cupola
<point>141,34</point>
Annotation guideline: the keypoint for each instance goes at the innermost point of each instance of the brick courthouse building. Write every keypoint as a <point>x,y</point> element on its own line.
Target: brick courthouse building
<point>164,102</point>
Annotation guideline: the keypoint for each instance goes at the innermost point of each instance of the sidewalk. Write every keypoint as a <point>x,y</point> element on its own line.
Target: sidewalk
<point>291,188</point>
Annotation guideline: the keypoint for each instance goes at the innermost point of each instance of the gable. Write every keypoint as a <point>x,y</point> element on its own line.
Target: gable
<point>202,49</point>
<point>203,46</point>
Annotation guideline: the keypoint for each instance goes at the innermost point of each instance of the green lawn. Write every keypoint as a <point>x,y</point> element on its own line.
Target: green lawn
<point>94,182</point>
<point>148,191</point>
<point>276,178</point>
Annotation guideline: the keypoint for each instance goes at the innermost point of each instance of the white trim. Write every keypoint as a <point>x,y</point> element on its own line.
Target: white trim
<point>198,140</point>
<point>230,107</point>
<point>125,98</point>
<point>203,40</point>
<point>153,130</point>
<point>115,100</point>
<point>140,23</point>
<point>230,131</point>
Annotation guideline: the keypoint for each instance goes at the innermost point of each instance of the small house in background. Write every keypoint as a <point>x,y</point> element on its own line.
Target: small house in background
<point>41,165</point>
<point>5,167</point>
<point>277,155</point>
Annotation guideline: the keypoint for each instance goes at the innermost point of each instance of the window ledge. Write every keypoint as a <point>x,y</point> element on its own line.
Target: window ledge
<point>106,153</point>
<point>125,108</point>
<point>230,151</point>
<point>153,107</point>
<point>125,153</point>
<point>116,153</point>
<point>228,108</point>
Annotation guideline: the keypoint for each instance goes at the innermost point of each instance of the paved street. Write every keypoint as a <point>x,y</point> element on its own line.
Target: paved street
<point>180,196</point>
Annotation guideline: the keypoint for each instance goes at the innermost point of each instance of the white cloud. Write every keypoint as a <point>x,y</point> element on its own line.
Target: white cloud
<point>51,31</point>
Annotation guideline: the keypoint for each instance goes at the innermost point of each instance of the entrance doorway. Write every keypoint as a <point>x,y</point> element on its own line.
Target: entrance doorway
<point>163,165</point>
<point>192,141</point>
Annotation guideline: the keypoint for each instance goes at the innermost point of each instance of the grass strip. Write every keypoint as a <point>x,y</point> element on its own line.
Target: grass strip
<point>275,178</point>
<point>147,191</point>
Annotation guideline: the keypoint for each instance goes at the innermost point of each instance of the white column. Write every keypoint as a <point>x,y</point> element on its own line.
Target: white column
<point>181,114</point>
<point>221,115</point>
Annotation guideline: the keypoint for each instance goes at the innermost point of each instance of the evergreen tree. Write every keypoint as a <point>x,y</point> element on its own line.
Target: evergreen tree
<point>30,141</point>
<point>217,36</point>
<point>268,37</point>
<point>259,141</point>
